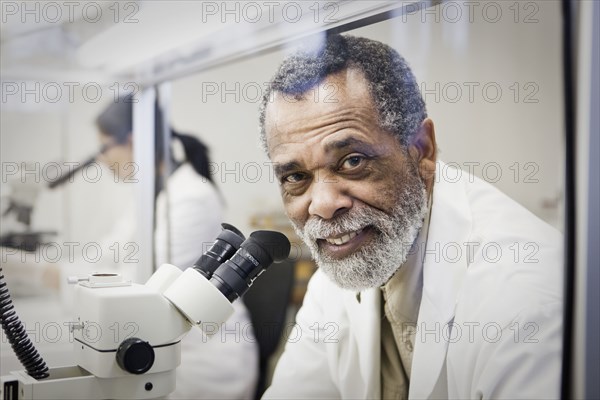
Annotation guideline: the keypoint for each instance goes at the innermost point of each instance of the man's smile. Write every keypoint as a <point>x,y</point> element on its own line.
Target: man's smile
<point>345,244</point>
<point>343,238</point>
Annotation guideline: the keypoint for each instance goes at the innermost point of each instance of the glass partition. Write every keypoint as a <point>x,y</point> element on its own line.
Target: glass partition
<point>490,75</point>
<point>189,157</point>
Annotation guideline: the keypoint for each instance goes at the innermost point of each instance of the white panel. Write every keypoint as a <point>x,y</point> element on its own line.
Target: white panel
<point>143,155</point>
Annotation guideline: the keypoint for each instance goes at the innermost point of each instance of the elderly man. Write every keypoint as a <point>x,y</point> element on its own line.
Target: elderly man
<point>426,288</point>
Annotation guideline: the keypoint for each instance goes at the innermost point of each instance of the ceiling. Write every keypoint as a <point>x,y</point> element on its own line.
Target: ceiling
<point>153,41</point>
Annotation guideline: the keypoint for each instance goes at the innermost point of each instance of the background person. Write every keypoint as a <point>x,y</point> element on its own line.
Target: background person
<point>188,219</point>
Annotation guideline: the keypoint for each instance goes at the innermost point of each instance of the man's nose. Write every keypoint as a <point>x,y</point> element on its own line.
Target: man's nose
<point>328,199</point>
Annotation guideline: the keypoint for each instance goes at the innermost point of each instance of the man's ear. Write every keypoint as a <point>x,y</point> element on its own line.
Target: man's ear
<point>423,149</point>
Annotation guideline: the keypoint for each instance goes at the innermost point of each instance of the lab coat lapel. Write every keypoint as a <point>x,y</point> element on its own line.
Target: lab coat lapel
<point>364,318</point>
<point>450,224</point>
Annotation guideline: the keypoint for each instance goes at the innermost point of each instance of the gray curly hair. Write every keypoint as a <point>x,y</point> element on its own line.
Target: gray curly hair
<point>390,80</point>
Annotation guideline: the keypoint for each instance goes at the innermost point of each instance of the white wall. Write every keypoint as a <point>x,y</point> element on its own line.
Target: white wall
<point>228,123</point>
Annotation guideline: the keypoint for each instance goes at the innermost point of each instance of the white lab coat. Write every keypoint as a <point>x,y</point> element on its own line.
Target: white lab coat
<point>226,366</point>
<point>504,313</point>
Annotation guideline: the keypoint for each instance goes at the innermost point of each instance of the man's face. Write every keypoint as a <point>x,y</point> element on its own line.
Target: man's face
<point>352,193</point>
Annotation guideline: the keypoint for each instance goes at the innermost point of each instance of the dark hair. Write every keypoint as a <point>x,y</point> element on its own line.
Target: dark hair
<point>196,153</point>
<point>117,121</point>
<point>391,83</point>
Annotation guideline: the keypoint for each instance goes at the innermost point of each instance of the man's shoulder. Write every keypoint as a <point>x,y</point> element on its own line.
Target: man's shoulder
<point>516,266</point>
<point>492,216</point>
<point>513,258</point>
<point>500,223</point>
<point>486,202</point>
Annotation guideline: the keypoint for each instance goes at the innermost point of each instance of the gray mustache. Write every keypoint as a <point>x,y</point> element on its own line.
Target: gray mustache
<point>352,220</point>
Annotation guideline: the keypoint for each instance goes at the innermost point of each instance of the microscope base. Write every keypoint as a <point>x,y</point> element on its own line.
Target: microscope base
<point>74,382</point>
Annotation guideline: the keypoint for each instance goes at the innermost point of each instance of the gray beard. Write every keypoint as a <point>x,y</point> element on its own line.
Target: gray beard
<point>374,263</point>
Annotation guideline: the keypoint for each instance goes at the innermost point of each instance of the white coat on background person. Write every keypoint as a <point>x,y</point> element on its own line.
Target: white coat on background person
<point>217,367</point>
<point>188,218</point>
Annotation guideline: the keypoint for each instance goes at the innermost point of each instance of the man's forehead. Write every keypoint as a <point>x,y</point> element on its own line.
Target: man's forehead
<point>340,95</point>
<point>332,91</point>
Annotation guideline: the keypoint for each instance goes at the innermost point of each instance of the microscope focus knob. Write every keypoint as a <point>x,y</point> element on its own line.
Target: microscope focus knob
<point>135,356</point>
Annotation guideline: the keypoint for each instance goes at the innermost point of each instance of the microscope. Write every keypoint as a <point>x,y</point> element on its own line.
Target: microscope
<point>157,315</point>
<point>17,200</point>
<point>23,190</point>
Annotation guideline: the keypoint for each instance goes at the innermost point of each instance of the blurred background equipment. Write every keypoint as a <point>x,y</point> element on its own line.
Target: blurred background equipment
<point>19,196</point>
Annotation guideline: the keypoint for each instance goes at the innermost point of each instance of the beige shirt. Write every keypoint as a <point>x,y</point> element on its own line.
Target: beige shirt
<point>401,301</point>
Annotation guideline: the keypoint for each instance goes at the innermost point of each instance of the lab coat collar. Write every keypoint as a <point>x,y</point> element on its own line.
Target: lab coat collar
<point>442,278</point>
<point>450,223</point>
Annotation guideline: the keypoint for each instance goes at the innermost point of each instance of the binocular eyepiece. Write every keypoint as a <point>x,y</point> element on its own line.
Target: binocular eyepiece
<point>233,262</point>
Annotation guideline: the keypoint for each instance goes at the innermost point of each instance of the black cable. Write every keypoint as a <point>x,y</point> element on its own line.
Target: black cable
<point>17,336</point>
<point>570,214</point>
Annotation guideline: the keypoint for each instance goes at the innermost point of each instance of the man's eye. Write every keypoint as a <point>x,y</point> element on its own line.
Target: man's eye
<point>294,178</point>
<point>352,162</point>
